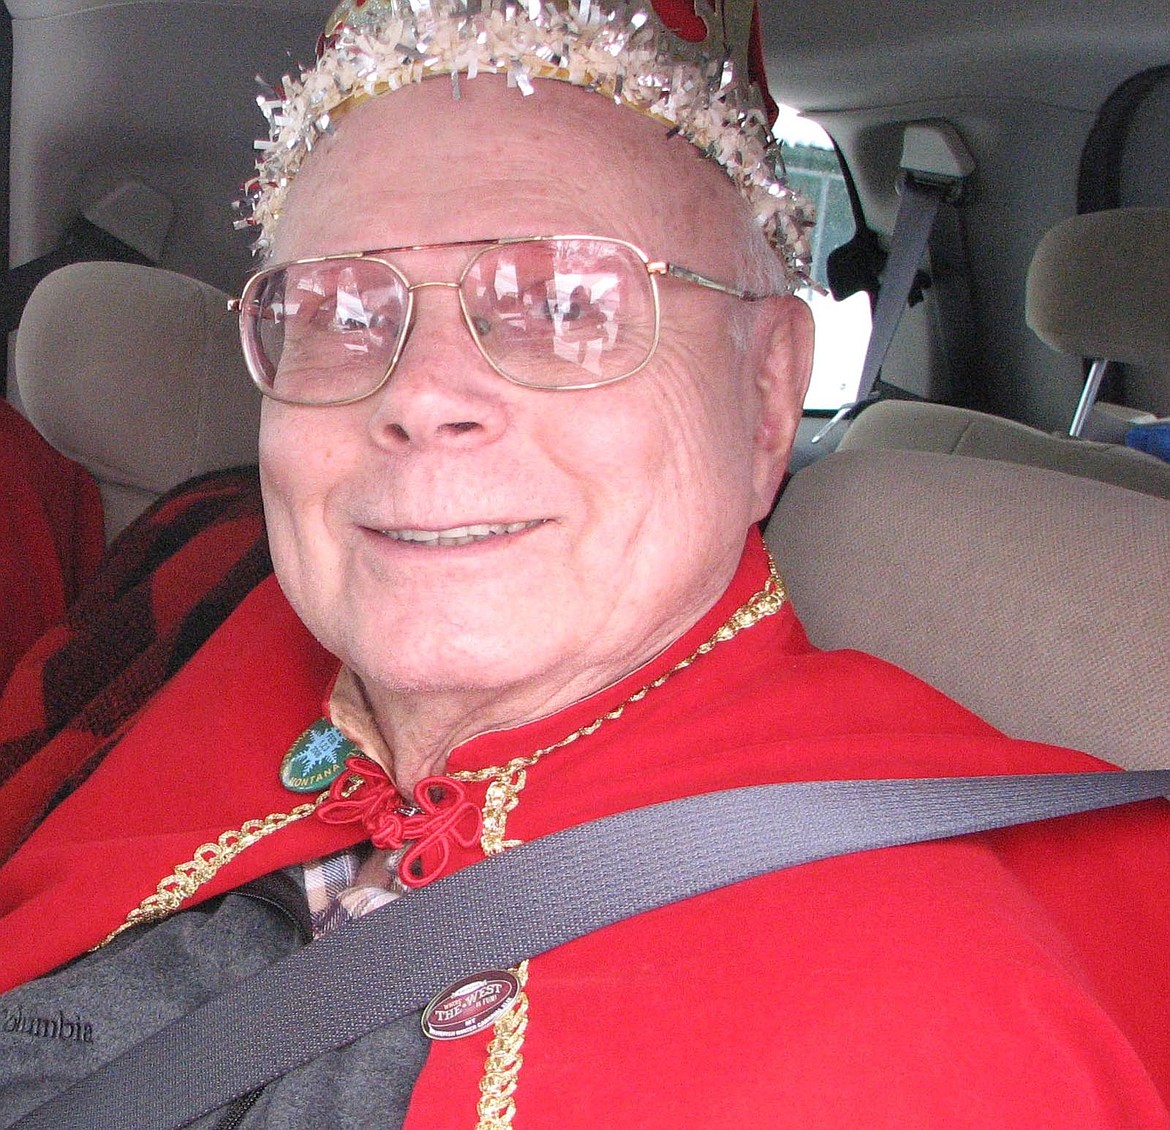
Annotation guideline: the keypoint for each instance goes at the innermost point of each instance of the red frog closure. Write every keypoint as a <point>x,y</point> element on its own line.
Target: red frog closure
<point>440,816</point>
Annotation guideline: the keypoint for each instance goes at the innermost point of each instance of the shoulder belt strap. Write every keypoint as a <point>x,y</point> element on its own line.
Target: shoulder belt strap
<point>529,900</point>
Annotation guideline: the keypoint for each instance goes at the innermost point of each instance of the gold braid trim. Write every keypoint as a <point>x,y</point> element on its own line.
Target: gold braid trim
<point>188,877</point>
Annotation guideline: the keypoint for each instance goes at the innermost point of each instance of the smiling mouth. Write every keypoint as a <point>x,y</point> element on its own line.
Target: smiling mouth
<point>460,535</point>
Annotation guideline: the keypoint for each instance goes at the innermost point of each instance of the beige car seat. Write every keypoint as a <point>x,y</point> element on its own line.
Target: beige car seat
<point>1098,287</point>
<point>910,425</point>
<point>136,373</point>
<point>1036,599</point>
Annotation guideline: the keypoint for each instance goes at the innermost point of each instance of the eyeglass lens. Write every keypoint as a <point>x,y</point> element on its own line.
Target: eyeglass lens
<point>550,313</point>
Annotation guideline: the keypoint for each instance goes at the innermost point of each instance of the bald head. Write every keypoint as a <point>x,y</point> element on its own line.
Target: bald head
<point>560,152</point>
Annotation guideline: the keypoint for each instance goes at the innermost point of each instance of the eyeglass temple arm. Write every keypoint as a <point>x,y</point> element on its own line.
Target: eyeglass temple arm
<point>677,272</point>
<point>236,306</point>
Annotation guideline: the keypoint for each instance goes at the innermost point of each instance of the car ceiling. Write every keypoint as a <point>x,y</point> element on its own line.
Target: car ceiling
<point>833,55</point>
<point>163,93</point>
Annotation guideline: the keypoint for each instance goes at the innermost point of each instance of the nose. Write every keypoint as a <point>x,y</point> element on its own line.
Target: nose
<point>442,391</point>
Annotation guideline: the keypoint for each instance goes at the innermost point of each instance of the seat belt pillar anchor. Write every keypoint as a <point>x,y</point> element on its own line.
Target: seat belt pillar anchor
<point>935,156</point>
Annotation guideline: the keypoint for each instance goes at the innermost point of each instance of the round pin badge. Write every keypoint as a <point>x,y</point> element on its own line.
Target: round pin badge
<point>470,1005</point>
<point>316,758</point>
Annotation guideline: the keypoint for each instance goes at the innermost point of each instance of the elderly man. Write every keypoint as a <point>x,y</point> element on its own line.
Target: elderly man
<point>532,370</point>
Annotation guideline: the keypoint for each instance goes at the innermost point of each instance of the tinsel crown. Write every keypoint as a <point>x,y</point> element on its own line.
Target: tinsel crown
<point>694,65</point>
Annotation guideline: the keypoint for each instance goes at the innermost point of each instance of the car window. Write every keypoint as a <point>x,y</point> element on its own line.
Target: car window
<point>842,327</point>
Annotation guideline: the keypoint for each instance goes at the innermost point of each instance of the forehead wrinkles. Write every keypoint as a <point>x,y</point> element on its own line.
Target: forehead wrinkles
<point>418,166</point>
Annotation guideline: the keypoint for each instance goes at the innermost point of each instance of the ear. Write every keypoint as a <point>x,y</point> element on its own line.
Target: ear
<point>782,375</point>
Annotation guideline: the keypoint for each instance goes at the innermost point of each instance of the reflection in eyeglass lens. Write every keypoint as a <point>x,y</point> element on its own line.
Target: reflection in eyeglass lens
<point>553,312</point>
<point>339,325</point>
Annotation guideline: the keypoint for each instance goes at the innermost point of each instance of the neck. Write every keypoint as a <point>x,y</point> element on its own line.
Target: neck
<point>422,729</point>
<point>416,732</point>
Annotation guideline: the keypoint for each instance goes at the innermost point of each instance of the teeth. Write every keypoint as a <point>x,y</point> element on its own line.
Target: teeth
<point>459,535</point>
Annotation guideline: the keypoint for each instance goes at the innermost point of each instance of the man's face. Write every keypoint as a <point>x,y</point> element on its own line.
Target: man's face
<point>634,498</point>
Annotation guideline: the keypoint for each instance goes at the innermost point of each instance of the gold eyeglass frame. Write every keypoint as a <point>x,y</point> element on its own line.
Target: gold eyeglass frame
<point>655,269</point>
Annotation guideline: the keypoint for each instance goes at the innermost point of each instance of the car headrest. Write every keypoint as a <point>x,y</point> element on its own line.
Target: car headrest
<point>1099,286</point>
<point>136,373</point>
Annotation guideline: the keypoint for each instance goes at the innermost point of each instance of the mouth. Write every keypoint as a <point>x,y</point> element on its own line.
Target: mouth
<point>460,535</point>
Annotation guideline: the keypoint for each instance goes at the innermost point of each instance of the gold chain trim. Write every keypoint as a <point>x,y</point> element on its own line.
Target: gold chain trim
<point>501,1074</point>
<point>188,877</point>
<point>508,780</point>
<point>503,794</point>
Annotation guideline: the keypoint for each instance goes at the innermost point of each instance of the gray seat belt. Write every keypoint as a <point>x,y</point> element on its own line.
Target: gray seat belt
<point>935,166</point>
<point>527,901</point>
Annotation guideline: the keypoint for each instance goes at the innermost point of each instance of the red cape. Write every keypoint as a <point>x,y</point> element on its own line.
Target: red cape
<point>200,759</point>
<point>52,535</point>
<point>1014,979</point>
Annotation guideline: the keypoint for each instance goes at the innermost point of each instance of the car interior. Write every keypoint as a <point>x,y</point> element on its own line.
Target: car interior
<point>993,514</point>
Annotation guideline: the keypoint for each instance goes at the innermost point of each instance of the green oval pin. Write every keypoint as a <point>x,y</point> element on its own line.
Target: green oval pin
<point>316,758</point>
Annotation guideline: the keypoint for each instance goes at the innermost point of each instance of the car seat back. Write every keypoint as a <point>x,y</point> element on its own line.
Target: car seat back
<point>920,425</point>
<point>1036,599</point>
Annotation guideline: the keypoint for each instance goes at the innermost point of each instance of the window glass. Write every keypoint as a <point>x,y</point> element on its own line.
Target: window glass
<point>842,327</point>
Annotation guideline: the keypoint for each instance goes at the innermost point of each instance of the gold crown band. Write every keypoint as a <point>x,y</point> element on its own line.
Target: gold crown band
<point>615,47</point>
